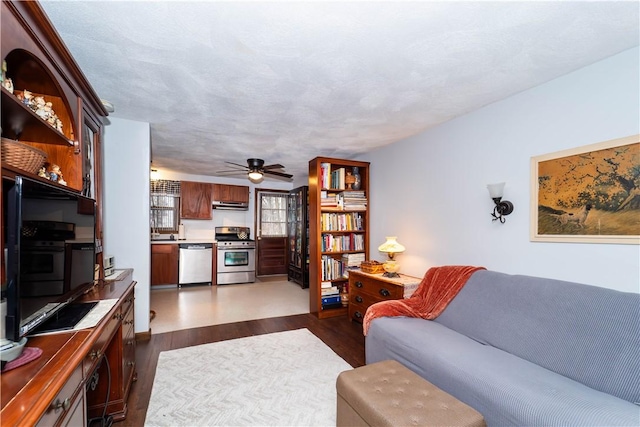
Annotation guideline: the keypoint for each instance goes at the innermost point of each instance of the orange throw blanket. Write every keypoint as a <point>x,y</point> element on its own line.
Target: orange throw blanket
<point>436,290</point>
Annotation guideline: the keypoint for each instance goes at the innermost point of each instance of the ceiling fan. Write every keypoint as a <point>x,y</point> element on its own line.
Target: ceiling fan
<point>255,169</point>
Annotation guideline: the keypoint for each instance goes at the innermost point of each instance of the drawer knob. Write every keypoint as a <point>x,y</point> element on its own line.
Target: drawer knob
<point>65,404</point>
<point>95,354</point>
<point>384,292</point>
<point>118,316</point>
<point>131,342</point>
<point>359,298</point>
<point>357,314</point>
<point>131,363</point>
<point>358,284</point>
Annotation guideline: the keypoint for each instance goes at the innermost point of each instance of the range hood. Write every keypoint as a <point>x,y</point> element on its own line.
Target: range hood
<point>236,206</point>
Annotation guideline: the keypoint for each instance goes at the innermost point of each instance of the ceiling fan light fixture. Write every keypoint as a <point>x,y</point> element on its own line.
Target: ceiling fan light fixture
<point>255,175</point>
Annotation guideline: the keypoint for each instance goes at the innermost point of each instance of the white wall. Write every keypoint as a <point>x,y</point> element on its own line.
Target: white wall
<point>126,206</point>
<point>430,190</point>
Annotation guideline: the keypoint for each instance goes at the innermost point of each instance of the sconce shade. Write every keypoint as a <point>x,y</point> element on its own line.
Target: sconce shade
<point>502,207</point>
<point>391,246</point>
<point>154,175</point>
<point>496,190</point>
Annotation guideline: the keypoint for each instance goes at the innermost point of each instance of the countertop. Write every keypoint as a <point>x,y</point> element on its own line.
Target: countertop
<point>176,242</point>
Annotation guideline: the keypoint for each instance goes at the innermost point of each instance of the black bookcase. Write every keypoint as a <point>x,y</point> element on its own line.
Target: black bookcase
<point>298,236</point>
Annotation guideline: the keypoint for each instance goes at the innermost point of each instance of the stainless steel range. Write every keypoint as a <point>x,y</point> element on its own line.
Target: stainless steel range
<point>236,255</point>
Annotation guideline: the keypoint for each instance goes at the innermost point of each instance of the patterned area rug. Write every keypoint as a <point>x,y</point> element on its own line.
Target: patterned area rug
<point>280,379</point>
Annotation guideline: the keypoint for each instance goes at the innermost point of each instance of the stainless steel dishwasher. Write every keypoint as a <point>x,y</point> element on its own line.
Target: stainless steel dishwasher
<point>195,263</point>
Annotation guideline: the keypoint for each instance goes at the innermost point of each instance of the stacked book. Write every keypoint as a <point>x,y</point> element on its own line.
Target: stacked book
<point>353,200</point>
<point>351,262</point>
<point>329,200</point>
<point>330,295</point>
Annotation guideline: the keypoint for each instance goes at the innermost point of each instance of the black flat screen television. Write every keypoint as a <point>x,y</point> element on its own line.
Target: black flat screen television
<point>50,252</point>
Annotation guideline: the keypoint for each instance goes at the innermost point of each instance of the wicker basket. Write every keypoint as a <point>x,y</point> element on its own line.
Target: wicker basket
<point>22,156</point>
<point>372,267</point>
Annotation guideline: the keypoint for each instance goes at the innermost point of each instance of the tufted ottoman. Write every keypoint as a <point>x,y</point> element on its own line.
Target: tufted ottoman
<point>388,394</point>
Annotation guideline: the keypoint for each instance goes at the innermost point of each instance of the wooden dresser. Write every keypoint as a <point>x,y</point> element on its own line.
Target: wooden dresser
<point>366,289</point>
<point>56,389</point>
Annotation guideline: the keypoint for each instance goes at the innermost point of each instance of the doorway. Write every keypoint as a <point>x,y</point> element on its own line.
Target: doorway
<point>271,232</point>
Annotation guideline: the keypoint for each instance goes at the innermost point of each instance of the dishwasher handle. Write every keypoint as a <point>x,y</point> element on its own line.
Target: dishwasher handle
<point>196,246</point>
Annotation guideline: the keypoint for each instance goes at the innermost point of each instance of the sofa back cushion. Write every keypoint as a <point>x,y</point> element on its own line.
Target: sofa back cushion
<point>586,333</point>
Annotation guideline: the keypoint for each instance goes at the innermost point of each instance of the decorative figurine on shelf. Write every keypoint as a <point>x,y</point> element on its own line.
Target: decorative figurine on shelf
<point>7,83</point>
<point>349,180</point>
<point>42,173</point>
<point>26,98</point>
<point>40,105</point>
<point>56,175</point>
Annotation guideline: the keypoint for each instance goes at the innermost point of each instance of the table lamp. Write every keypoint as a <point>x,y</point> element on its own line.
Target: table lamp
<point>391,247</point>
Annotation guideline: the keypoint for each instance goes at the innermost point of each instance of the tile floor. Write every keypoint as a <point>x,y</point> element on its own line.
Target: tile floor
<point>197,306</point>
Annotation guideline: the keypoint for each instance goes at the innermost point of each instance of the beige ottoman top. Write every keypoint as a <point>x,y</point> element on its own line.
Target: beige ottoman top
<point>388,394</point>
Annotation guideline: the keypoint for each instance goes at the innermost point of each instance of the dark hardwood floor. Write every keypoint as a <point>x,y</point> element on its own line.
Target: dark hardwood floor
<point>343,336</point>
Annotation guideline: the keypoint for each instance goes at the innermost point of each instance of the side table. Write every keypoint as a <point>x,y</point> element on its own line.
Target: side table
<point>366,289</point>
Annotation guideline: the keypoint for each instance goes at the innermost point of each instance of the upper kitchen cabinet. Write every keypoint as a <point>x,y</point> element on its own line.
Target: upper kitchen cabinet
<point>230,193</point>
<point>195,200</point>
<point>49,101</point>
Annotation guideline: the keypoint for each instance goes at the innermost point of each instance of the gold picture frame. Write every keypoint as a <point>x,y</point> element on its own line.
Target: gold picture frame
<point>589,194</point>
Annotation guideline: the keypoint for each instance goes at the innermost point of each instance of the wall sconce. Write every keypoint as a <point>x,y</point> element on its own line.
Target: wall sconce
<point>154,175</point>
<point>391,247</point>
<point>503,207</point>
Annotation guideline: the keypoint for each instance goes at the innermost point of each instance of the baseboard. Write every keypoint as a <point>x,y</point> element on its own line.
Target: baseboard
<point>143,336</point>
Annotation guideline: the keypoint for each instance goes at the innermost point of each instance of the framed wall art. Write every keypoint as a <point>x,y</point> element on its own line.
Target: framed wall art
<point>589,194</point>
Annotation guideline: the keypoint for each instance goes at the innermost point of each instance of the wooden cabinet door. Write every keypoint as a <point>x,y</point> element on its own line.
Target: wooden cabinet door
<point>231,193</point>
<point>195,200</point>
<point>164,264</point>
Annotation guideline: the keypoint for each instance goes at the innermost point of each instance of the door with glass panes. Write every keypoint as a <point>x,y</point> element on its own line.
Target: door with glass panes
<point>271,232</point>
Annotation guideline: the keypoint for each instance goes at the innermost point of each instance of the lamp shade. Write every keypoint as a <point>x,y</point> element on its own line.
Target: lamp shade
<point>391,246</point>
<point>496,190</point>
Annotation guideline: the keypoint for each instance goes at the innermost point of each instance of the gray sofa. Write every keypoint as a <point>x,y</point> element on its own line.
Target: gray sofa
<point>526,351</point>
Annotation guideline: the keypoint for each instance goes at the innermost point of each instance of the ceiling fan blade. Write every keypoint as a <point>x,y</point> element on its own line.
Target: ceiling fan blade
<point>235,164</point>
<point>276,166</point>
<point>237,171</point>
<point>285,175</point>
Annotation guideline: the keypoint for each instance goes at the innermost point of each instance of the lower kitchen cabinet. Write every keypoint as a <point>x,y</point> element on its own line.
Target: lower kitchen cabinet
<point>164,264</point>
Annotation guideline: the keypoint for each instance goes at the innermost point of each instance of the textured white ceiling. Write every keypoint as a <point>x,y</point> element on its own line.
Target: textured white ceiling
<point>289,81</point>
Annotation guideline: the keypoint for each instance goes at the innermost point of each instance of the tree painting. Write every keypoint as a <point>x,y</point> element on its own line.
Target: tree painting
<point>593,193</point>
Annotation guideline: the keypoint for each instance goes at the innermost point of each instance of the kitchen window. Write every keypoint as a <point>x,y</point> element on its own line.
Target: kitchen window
<point>165,206</point>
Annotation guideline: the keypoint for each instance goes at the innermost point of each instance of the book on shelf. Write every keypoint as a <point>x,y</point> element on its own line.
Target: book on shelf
<point>330,291</point>
<point>325,177</point>
<point>331,299</point>
<point>342,243</point>
<point>332,306</point>
<point>353,200</point>
<point>332,269</point>
<point>353,260</point>
<point>348,221</point>
<point>337,179</point>
<point>326,284</point>
<point>346,270</point>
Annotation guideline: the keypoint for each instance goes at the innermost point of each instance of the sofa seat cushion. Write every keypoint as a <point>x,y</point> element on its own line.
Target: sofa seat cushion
<point>504,388</point>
